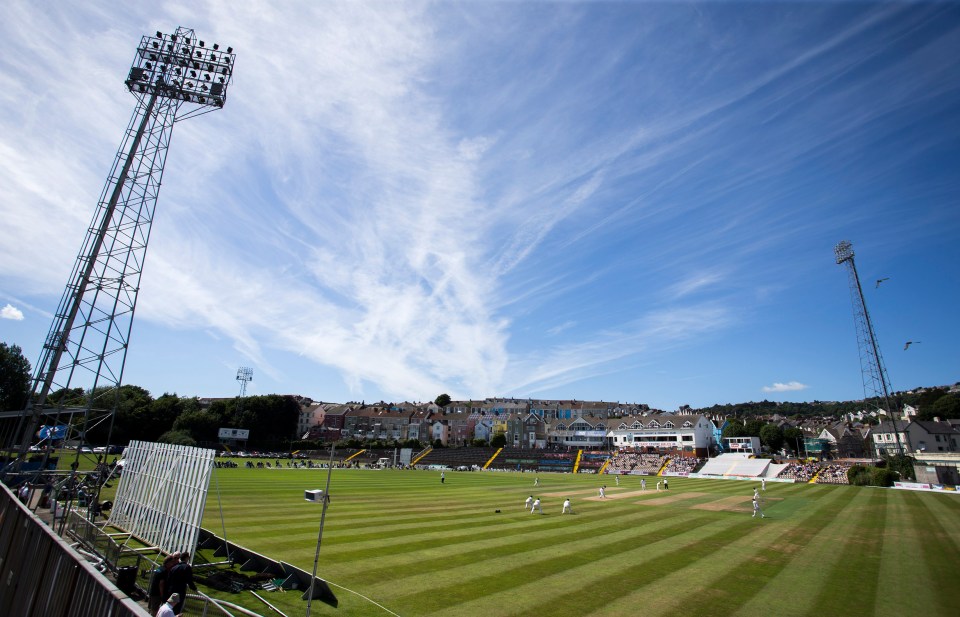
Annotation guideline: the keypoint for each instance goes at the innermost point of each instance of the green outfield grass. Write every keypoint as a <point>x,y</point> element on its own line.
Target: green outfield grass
<point>421,548</point>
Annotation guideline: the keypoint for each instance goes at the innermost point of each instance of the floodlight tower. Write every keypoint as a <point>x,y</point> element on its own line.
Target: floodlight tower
<point>874,373</point>
<point>173,77</point>
<point>244,376</point>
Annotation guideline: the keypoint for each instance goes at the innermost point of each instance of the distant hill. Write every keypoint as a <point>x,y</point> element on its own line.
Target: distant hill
<point>923,399</point>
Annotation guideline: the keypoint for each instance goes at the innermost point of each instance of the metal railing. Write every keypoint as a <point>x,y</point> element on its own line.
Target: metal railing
<point>45,577</point>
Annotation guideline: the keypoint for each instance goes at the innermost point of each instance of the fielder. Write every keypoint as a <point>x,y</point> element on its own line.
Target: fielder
<point>567,508</point>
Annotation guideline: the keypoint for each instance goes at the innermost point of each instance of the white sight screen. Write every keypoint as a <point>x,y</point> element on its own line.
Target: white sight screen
<point>162,492</point>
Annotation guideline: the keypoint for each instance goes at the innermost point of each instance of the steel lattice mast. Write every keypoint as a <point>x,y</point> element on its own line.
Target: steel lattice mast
<point>173,77</point>
<point>244,376</point>
<point>873,372</point>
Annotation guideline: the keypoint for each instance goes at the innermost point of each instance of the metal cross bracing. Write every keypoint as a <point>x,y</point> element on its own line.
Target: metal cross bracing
<point>873,372</point>
<point>173,77</point>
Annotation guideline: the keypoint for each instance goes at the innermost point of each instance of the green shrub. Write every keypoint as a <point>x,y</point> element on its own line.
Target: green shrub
<point>882,477</point>
<point>859,475</point>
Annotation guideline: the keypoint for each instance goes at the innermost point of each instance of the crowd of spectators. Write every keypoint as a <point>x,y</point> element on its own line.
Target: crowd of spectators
<point>292,464</point>
<point>684,464</point>
<point>835,473</point>
<point>799,472</point>
<point>625,462</point>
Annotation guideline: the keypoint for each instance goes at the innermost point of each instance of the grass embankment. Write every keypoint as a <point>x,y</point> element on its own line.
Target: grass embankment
<point>419,547</point>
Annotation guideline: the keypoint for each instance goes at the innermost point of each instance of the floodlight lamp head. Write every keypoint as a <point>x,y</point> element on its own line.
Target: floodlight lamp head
<point>158,66</point>
<point>316,496</point>
<point>843,251</point>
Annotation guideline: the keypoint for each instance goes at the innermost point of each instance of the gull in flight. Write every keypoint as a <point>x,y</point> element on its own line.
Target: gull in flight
<point>907,346</point>
<point>881,280</point>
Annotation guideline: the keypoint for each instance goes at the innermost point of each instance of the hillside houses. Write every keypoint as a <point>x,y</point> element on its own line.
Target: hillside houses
<point>576,424</point>
<point>524,424</point>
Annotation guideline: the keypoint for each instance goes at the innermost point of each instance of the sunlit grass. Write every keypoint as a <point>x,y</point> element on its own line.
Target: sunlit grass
<point>419,547</point>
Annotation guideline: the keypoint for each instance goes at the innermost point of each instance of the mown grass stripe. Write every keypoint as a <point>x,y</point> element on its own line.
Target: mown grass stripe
<point>582,574</point>
<point>946,509</point>
<point>940,554</point>
<point>538,562</point>
<point>599,562</point>
<point>613,586</point>
<point>899,562</point>
<point>536,530</point>
<point>792,584</point>
<point>504,547</point>
<point>859,552</point>
<point>739,578</point>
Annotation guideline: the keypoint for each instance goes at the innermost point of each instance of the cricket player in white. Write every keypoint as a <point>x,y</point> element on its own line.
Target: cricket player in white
<point>528,503</point>
<point>536,506</point>
<point>567,508</point>
<point>756,508</point>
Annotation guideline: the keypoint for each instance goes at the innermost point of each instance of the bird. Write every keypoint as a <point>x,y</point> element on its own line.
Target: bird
<point>882,280</point>
<point>907,346</point>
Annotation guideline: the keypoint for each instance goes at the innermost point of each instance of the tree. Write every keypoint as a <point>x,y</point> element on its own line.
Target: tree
<point>793,438</point>
<point>129,422</point>
<point>753,427</point>
<point>771,436</point>
<point>177,438</point>
<point>734,429</point>
<point>443,400</point>
<point>14,378</point>
<point>201,425</point>
<point>946,407</point>
<point>498,441</point>
<point>901,464</point>
<point>270,419</point>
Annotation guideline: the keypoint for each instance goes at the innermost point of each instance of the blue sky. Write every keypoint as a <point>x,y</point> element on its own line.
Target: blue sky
<point>618,201</point>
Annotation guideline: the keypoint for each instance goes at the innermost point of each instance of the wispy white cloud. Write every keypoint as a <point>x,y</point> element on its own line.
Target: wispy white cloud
<point>790,386</point>
<point>656,332</point>
<point>429,197</point>
<point>561,327</point>
<point>11,312</point>
<point>694,283</point>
